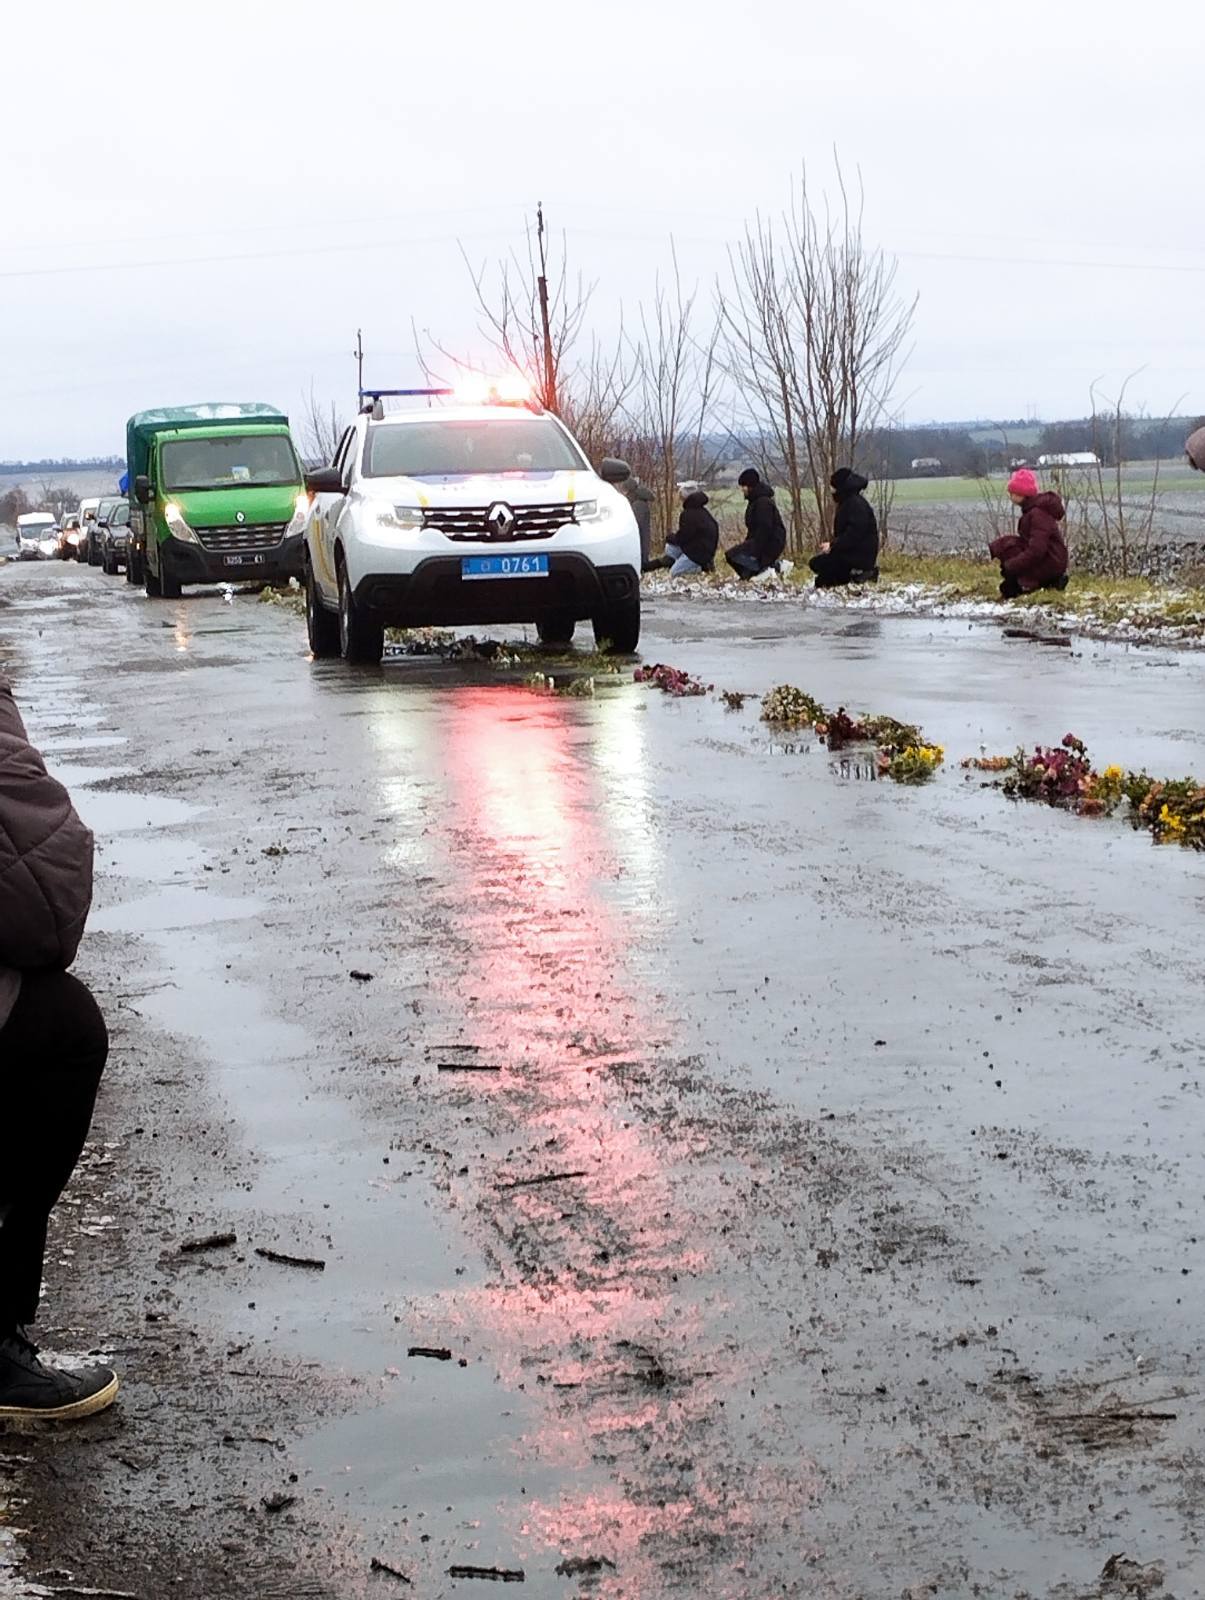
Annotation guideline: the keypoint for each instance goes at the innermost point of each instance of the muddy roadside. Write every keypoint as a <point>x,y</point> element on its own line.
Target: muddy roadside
<point>760,1287</point>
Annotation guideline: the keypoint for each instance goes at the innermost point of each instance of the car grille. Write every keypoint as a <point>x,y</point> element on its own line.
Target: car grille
<point>471,522</point>
<point>243,536</point>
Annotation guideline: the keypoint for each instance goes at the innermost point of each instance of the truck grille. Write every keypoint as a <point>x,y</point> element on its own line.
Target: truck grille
<point>243,536</point>
<point>474,522</point>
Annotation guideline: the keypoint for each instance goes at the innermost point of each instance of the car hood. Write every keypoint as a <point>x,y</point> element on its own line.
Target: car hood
<point>515,488</point>
<point>219,508</point>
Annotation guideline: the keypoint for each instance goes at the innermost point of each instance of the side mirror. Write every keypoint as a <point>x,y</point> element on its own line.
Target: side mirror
<point>325,480</point>
<point>142,489</point>
<point>612,470</point>
<point>102,522</point>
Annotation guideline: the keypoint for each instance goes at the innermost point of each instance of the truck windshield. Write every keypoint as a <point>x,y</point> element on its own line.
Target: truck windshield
<point>264,459</point>
<point>447,449</point>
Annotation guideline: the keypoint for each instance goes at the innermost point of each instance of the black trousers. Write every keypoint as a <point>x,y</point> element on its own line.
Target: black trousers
<point>832,571</point>
<point>52,1053</point>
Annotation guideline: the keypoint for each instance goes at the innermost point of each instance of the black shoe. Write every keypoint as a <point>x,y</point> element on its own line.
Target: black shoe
<point>29,1388</point>
<point>1059,583</point>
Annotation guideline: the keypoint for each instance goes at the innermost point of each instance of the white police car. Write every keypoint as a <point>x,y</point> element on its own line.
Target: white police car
<point>449,514</point>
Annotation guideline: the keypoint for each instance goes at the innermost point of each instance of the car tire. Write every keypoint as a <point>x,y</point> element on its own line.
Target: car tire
<point>617,627</point>
<point>321,625</point>
<point>150,582</point>
<point>556,631</point>
<point>169,584</point>
<point>361,640</point>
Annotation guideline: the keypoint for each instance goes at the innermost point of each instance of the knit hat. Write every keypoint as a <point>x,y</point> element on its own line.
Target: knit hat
<point>1024,483</point>
<point>840,478</point>
<point>749,477</point>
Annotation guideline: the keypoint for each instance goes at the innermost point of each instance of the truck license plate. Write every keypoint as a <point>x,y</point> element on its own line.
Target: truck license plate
<point>477,567</point>
<point>248,559</point>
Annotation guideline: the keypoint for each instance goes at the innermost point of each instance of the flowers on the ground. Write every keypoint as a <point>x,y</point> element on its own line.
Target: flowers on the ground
<point>915,763</point>
<point>791,706</point>
<point>670,680</point>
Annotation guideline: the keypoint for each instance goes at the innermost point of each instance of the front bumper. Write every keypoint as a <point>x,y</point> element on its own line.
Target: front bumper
<point>192,563</point>
<point>435,594</point>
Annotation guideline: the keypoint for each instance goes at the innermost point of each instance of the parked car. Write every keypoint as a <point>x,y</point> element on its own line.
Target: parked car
<point>87,521</point>
<point>104,510</point>
<point>70,537</point>
<point>113,534</point>
<point>37,536</point>
<point>466,515</point>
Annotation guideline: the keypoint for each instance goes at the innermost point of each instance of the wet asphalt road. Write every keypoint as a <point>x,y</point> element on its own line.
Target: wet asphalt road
<point>821,1216</point>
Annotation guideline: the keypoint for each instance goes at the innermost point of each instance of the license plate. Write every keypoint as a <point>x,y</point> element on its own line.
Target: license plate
<point>246,560</point>
<point>476,567</point>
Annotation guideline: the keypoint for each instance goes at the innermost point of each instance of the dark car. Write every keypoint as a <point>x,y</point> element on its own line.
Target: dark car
<point>113,536</point>
<point>90,543</point>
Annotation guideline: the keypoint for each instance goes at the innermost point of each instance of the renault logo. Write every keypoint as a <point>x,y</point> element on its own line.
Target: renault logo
<point>240,516</point>
<point>501,520</point>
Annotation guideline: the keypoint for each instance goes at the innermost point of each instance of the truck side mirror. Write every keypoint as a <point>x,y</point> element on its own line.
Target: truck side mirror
<point>142,489</point>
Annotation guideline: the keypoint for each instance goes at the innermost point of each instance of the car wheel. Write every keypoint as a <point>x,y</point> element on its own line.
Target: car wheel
<point>556,631</point>
<point>150,582</point>
<point>360,640</point>
<point>321,625</point>
<point>169,584</point>
<point>617,627</point>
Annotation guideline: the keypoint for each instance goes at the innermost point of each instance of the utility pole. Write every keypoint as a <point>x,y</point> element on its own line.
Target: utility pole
<point>549,396</point>
<point>358,352</point>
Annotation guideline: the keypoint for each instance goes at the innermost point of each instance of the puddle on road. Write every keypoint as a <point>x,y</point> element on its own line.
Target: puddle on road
<point>173,907</point>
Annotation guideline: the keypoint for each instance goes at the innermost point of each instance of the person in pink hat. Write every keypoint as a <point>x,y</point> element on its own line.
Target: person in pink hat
<point>1035,557</point>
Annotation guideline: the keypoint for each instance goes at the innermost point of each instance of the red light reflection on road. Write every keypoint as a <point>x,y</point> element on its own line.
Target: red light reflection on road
<point>604,1295</point>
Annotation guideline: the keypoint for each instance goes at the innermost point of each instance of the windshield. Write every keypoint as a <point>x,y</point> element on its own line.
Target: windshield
<point>447,449</point>
<point>264,459</point>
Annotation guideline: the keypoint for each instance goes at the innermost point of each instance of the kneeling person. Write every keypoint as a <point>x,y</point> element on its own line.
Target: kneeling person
<point>693,546</point>
<point>1035,557</point>
<point>852,554</point>
<point>765,532</point>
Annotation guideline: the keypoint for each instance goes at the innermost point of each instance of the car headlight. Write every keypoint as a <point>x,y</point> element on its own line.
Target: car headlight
<point>404,518</point>
<point>592,511</point>
<point>177,526</point>
<point>301,511</point>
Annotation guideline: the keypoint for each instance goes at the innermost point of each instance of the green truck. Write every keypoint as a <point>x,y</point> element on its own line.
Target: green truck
<point>216,494</point>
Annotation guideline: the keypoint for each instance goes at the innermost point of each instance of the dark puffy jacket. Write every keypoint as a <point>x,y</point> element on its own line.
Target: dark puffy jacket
<point>45,861</point>
<point>765,532</point>
<point>1036,554</point>
<point>855,527</point>
<point>698,534</point>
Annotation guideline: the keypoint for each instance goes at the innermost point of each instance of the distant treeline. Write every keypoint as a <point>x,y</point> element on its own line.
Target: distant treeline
<point>50,464</point>
<point>958,452</point>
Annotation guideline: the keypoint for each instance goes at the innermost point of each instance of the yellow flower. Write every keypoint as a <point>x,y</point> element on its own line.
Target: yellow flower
<point>1113,774</point>
<point>1170,821</point>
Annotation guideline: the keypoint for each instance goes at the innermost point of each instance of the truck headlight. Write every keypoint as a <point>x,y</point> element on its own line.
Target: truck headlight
<point>301,512</point>
<point>177,526</point>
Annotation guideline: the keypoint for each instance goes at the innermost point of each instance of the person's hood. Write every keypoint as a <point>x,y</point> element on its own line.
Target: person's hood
<point>761,491</point>
<point>695,500</point>
<point>1050,503</point>
<point>854,484</point>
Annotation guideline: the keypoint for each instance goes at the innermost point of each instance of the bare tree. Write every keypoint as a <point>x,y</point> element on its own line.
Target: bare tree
<point>321,429</point>
<point>678,380</point>
<point>816,336</point>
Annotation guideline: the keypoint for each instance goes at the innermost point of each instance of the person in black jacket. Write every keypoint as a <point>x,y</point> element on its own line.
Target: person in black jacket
<point>693,547</point>
<point>765,533</point>
<point>852,554</point>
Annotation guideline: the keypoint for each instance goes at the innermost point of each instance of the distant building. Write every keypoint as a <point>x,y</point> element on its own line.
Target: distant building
<point>1071,458</point>
<point>926,464</point>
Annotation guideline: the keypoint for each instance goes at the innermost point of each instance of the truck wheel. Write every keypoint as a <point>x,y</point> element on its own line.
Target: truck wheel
<point>617,627</point>
<point>169,584</point>
<point>360,639</point>
<point>150,582</point>
<point>556,631</point>
<point>321,625</point>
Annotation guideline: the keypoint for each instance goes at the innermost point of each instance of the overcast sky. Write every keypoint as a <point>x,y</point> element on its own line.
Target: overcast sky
<point>204,201</point>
